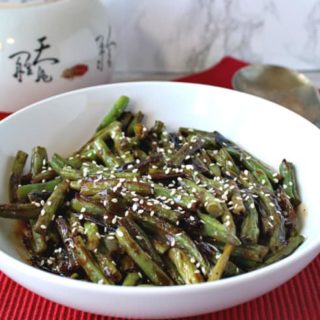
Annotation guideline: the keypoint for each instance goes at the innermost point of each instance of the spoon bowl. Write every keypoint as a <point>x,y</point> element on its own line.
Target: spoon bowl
<point>287,87</point>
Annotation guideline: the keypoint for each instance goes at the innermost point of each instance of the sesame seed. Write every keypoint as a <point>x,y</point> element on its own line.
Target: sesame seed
<point>120,233</point>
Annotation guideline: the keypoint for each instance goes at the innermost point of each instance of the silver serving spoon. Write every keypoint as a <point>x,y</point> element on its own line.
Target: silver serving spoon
<point>284,86</point>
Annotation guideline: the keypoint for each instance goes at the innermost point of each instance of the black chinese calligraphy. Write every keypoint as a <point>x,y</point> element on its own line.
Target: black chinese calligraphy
<point>105,47</point>
<point>33,63</point>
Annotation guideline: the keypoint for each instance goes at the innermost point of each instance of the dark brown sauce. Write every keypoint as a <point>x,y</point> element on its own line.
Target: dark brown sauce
<point>19,231</point>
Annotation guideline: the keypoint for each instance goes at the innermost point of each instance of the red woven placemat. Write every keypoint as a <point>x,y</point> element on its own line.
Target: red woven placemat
<point>298,299</point>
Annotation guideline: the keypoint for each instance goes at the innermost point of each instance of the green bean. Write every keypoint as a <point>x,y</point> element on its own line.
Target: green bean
<point>172,270</point>
<point>91,188</point>
<point>250,226</point>
<point>81,205</point>
<point>186,201</point>
<point>187,270</point>
<point>71,174</point>
<point>225,161</point>
<point>292,245</point>
<point>250,162</point>
<point>105,155</point>
<point>93,237</point>
<point>140,131</point>
<point>125,119</point>
<point>218,270</point>
<point>126,263</point>
<point>51,206</point>
<point>255,252</point>
<point>16,174</point>
<point>213,228</point>
<point>93,170</point>
<point>131,279</point>
<point>114,114</point>
<point>215,170</point>
<point>39,160</point>
<point>161,210</point>
<point>289,182</point>
<point>246,264</point>
<point>76,185</point>
<point>74,162</point>
<point>19,211</point>
<point>236,198</point>
<point>38,243</point>
<point>57,163</point>
<point>87,262</point>
<point>187,149</point>
<point>63,230</point>
<point>157,128</point>
<point>111,245</point>
<point>211,203</point>
<point>108,266</point>
<point>137,118</point>
<point>44,176</point>
<point>276,220</point>
<point>292,219</point>
<point>142,239</point>
<point>228,221</point>
<point>262,178</point>
<point>165,213</point>
<point>160,174</point>
<point>24,190</point>
<point>142,259</point>
<point>160,246</point>
<point>121,143</point>
<point>208,137</point>
<point>175,236</point>
<point>88,153</point>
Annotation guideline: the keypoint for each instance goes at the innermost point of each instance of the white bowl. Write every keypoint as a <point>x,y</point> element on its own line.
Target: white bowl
<point>267,130</point>
<point>42,43</point>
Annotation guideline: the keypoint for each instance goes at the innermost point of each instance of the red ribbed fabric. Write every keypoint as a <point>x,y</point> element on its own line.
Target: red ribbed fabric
<point>298,299</point>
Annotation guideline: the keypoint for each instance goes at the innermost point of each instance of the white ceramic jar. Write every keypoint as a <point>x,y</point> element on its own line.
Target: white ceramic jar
<point>49,47</point>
